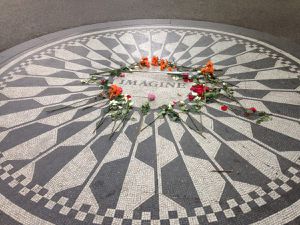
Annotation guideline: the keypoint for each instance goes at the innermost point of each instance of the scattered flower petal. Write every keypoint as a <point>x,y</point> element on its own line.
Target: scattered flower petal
<point>224,107</point>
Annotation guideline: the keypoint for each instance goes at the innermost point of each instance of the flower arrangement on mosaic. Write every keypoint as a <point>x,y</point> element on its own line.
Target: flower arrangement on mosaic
<point>206,88</point>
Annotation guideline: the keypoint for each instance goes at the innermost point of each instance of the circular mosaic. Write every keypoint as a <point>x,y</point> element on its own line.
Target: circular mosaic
<point>56,168</point>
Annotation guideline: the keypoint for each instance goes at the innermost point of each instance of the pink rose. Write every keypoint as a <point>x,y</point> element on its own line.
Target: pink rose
<point>151,97</point>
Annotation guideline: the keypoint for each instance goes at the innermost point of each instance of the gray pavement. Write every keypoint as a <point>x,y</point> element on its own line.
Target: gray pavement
<point>24,20</point>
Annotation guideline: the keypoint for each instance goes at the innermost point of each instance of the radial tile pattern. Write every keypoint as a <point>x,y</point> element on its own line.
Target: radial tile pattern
<point>54,169</point>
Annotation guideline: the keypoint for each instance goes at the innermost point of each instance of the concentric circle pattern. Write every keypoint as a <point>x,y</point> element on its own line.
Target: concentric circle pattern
<point>54,167</point>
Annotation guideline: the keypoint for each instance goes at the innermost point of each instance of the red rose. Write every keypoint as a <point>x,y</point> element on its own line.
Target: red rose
<point>186,80</point>
<point>200,89</point>
<point>185,75</point>
<point>224,107</point>
<point>128,97</point>
<point>191,97</point>
<point>253,109</point>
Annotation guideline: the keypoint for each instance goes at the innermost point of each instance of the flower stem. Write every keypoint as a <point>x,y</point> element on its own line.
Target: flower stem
<point>150,123</point>
<point>193,129</point>
<point>122,122</point>
<point>235,100</point>
<point>103,72</point>
<point>90,106</point>
<point>222,171</point>
<point>191,118</point>
<point>71,105</point>
<point>100,123</point>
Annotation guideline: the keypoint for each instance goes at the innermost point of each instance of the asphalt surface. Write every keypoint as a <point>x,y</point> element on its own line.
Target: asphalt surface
<point>24,20</point>
<point>55,170</point>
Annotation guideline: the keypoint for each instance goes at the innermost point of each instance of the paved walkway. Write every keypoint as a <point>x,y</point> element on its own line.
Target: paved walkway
<point>20,21</point>
<point>54,170</point>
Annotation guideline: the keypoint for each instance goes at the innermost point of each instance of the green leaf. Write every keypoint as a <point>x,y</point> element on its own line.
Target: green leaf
<point>145,108</point>
<point>264,117</point>
<point>211,95</point>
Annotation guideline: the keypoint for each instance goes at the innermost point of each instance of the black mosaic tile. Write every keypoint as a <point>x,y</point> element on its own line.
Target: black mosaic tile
<point>184,221</point>
<point>127,222</point>
<point>85,208</point>
<point>165,222</point>
<point>107,220</point>
<point>173,214</point>
<point>119,213</point>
